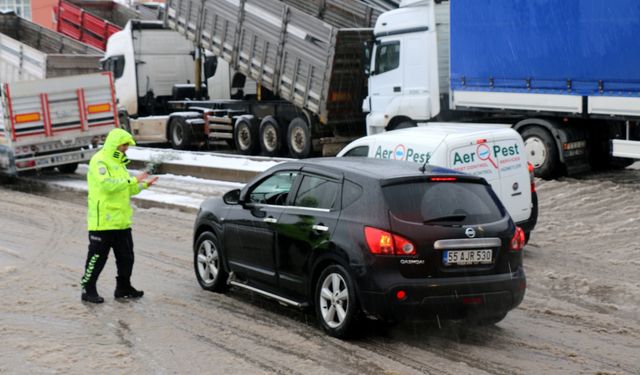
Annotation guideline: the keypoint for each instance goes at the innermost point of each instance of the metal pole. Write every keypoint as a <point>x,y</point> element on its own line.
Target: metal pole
<point>198,61</point>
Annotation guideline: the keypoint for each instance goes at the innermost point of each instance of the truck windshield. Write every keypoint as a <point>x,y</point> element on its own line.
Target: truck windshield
<point>387,57</point>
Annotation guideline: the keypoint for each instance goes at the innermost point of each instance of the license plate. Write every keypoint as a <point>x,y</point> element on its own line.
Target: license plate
<point>466,257</point>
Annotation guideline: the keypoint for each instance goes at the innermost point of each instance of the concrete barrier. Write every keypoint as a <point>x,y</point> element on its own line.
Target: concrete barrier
<point>210,173</point>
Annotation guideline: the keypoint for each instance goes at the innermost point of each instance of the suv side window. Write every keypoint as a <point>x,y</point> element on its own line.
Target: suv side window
<point>317,192</point>
<point>274,190</point>
<point>360,151</point>
<point>350,193</point>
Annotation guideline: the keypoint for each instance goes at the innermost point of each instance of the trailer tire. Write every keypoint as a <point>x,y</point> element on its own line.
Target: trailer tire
<point>299,138</point>
<point>68,168</point>
<point>270,136</point>
<point>541,152</point>
<point>245,136</point>
<point>179,133</point>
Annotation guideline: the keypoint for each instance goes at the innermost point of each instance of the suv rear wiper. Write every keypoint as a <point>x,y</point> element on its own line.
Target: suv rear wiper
<point>458,217</point>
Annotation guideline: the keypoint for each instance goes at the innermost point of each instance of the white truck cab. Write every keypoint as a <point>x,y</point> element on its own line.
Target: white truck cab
<point>494,152</point>
<point>147,58</point>
<point>409,71</point>
<point>154,66</point>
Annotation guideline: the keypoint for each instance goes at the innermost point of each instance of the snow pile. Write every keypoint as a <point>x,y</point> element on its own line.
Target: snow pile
<point>154,157</point>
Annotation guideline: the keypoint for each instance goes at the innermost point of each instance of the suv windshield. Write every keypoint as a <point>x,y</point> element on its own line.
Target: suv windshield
<point>461,203</point>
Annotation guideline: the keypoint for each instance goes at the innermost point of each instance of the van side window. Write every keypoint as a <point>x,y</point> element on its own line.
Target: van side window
<point>387,57</point>
<point>360,151</point>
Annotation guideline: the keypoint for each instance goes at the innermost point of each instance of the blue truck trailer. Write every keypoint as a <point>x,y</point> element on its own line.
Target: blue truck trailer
<point>564,73</point>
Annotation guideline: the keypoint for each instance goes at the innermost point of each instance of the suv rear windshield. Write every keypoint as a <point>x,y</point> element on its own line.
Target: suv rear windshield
<point>443,202</point>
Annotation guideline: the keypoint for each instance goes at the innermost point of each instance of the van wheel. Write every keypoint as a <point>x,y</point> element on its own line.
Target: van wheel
<point>245,135</point>
<point>270,136</point>
<point>336,305</point>
<point>541,152</point>
<point>299,138</point>
<point>180,133</point>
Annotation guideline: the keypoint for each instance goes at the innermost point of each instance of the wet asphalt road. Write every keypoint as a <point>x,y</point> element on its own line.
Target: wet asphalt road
<point>580,314</point>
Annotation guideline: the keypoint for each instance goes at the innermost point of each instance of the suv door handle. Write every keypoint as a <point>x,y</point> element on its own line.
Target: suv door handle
<point>320,228</point>
<point>397,88</point>
<point>271,220</point>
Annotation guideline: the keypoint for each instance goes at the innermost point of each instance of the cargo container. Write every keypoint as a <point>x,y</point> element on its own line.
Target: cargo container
<point>94,21</point>
<point>563,73</point>
<point>309,74</point>
<point>29,51</point>
<point>56,122</point>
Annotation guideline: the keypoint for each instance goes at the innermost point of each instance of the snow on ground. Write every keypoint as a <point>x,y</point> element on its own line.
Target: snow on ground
<point>202,159</point>
<point>580,315</point>
<point>182,191</point>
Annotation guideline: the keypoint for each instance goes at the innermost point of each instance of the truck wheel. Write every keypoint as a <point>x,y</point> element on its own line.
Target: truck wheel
<point>270,136</point>
<point>299,138</point>
<point>180,133</point>
<point>68,168</point>
<point>541,152</point>
<point>245,135</point>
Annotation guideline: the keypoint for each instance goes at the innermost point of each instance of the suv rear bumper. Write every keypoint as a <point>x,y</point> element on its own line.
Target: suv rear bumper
<point>448,298</point>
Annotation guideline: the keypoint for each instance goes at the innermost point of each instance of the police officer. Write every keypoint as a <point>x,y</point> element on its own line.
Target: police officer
<point>109,215</point>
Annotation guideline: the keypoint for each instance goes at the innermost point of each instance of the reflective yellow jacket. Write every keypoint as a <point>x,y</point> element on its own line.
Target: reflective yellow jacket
<point>111,186</point>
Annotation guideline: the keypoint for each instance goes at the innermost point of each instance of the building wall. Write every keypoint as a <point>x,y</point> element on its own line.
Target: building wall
<point>42,12</point>
<point>21,7</point>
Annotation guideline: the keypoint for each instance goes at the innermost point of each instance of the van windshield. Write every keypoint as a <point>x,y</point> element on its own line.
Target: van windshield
<point>463,203</point>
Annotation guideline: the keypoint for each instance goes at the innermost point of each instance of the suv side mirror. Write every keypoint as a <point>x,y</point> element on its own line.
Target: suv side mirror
<point>232,197</point>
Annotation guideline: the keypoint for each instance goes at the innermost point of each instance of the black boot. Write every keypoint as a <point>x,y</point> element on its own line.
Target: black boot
<point>125,290</point>
<point>90,294</point>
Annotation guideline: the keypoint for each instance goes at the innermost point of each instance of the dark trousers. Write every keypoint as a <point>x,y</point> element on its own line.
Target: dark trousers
<point>100,242</point>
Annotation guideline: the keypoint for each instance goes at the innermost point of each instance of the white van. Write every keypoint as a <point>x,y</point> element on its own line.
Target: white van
<point>495,152</point>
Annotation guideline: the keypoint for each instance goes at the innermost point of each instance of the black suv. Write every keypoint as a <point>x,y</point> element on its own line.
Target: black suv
<point>377,237</point>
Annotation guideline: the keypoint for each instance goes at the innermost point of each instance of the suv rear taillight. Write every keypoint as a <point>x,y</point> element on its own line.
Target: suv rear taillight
<point>384,243</point>
<point>531,177</point>
<point>517,242</point>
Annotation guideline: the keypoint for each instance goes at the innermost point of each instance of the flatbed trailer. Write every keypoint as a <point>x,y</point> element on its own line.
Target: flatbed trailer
<point>56,122</point>
<point>295,58</point>
<point>29,51</point>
